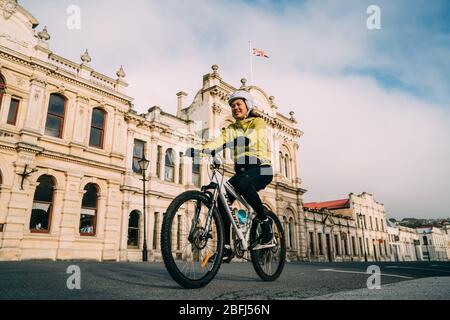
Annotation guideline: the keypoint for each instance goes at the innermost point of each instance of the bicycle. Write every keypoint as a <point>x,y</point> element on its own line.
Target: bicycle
<point>193,255</point>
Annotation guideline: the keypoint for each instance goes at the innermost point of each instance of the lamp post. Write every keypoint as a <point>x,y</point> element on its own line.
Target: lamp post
<point>364,239</point>
<point>143,165</point>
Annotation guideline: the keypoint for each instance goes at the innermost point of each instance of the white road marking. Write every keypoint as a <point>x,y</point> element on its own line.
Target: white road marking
<point>359,272</point>
<point>415,268</point>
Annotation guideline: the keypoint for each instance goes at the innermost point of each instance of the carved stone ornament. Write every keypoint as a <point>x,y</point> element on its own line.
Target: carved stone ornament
<point>8,7</point>
<point>216,108</point>
<point>43,35</point>
<point>86,58</point>
<point>121,73</point>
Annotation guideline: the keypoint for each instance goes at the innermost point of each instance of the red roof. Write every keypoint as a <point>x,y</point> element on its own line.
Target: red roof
<point>330,205</point>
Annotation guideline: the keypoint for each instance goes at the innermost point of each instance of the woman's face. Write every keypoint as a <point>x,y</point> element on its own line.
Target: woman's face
<point>239,109</point>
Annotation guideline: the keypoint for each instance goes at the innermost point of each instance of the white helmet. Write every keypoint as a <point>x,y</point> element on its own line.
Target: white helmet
<point>244,95</point>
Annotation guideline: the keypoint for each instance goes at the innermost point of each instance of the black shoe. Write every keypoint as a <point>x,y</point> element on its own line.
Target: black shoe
<point>266,236</point>
<point>228,255</point>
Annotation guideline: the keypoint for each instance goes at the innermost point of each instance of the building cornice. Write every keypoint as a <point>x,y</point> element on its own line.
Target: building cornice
<point>59,73</point>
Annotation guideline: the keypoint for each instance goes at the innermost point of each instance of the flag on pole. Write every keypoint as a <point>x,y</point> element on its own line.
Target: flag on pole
<point>259,53</point>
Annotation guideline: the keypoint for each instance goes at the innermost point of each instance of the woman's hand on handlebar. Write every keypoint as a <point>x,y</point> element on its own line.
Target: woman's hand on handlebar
<point>192,152</point>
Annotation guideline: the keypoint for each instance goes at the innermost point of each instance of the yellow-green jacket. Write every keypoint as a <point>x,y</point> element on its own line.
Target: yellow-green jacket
<point>252,128</point>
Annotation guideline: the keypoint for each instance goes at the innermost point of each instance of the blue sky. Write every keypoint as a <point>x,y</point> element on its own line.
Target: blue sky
<point>374,104</point>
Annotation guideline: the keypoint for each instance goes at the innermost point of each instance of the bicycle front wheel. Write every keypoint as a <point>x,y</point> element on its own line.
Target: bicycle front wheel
<point>192,251</point>
<point>269,262</point>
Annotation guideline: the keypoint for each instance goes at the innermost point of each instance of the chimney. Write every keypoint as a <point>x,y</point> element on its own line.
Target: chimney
<point>181,100</point>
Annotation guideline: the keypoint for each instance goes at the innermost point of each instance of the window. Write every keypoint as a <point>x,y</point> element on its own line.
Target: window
<point>319,241</point>
<point>291,233</point>
<point>2,89</point>
<point>158,162</point>
<point>41,213</point>
<point>353,246</point>
<point>281,162</point>
<point>311,243</point>
<point>169,166</point>
<point>97,135</point>
<point>133,229</point>
<point>345,244</point>
<point>89,210</point>
<point>286,166</point>
<point>55,116</point>
<point>376,223</point>
<point>336,244</point>
<point>196,181</point>
<point>371,224</point>
<point>361,246</point>
<point>180,169</point>
<point>138,154</point>
<point>13,110</point>
<point>155,231</point>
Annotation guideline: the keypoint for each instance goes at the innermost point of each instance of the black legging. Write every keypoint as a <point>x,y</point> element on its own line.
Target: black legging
<point>248,184</point>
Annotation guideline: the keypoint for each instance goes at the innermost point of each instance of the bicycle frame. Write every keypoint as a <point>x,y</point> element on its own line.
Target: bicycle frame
<point>224,186</point>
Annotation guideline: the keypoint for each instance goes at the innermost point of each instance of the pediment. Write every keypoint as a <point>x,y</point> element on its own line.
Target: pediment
<point>17,27</point>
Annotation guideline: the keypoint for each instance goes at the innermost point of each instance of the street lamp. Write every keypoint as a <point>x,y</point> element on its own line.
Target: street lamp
<point>364,239</point>
<point>143,165</point>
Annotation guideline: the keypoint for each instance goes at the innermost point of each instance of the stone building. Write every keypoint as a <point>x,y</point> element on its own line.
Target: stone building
<point>70,187</point>
<point>352,229</point>
<point>434,243</point>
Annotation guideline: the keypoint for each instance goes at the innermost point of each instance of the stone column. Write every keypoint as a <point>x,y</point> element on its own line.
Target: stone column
<point>81,121</point>
<point>112,220</point>
<point>123,248</point>
<point>36,110</point>
<point>70,217</point>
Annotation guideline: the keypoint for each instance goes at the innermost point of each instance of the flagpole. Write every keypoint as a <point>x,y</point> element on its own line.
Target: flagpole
<point>251,62</point>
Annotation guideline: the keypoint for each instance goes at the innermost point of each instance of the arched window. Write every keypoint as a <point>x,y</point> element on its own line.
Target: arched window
<point>286,231</point>
<point>89,205</point>
<point>2,89</point>
<point>97,136</point>
<point>286,166</point>
<point>41,214</point>
<point>281,162</point>
<point>291,233</point>
<point>169,166</point>
<point>55,115</point>
<point>133,229</point>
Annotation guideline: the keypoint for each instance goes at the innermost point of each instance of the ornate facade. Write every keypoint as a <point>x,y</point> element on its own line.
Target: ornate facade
<point>352,229</point>
<point>69,145</point>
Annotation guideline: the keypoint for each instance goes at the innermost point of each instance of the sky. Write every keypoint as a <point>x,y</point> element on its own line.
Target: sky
<point>374,105</point>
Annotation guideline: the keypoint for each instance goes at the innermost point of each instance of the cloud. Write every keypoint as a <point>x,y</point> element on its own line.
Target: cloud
<point>373,104</point>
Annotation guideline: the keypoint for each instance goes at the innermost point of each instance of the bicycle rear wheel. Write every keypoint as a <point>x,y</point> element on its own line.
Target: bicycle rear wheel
<point>191,259</point>
<point>269,263</point>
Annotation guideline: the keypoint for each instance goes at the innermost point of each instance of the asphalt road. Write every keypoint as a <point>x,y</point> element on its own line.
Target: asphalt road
<point>38,280</point>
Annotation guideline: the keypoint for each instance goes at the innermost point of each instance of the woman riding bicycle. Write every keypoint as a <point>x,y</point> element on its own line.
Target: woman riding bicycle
<point>252,164</point>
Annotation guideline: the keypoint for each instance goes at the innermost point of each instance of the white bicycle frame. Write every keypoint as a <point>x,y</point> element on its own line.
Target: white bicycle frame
<point>225,186</point>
